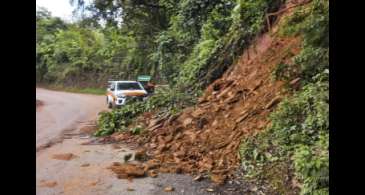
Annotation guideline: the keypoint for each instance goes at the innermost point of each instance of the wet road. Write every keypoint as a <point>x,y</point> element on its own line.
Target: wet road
<point>61,111</point>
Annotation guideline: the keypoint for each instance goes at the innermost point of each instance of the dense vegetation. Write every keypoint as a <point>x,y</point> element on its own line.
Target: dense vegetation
<point>298,138</point>
<point>184,43</point>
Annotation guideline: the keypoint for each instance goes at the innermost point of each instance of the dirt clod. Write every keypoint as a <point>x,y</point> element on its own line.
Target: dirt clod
<point>85,165</point>
<point>140,155</point>
<point>168,189</point>
<point>127,157</point>
<point>65,156</point>
<point>48,184</point>
<point>152,173</point>
<point>125,171</point>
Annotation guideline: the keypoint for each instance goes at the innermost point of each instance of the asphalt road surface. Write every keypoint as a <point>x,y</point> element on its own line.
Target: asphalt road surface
<point>87,173</point>
<point>62,111</point>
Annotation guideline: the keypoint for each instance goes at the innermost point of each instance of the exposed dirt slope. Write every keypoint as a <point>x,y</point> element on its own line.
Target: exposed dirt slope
<point>206,138</point>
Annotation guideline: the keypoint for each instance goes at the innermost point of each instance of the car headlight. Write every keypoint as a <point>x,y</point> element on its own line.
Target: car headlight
<point>121,96</point>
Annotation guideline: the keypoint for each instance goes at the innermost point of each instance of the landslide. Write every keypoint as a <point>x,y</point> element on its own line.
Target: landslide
<point>206,138</point>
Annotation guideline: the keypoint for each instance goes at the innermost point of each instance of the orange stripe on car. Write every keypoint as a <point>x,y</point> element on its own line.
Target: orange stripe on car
<point>134,94</point>
<point>111,94</point>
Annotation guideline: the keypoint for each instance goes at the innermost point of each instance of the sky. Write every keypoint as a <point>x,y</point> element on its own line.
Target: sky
<point>59,8</point>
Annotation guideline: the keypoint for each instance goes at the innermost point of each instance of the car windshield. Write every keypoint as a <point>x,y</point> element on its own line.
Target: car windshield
<point>128,86</point>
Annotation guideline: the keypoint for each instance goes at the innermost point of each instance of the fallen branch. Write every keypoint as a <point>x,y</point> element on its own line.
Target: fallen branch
<point>283,10</point>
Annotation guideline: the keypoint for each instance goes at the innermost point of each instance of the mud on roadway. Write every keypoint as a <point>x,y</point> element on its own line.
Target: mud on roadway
<point>66,162</point>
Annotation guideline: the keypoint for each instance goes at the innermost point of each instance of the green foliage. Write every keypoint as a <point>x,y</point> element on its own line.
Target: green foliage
<point>137,130</point>
<point>165,100</point>
<point>247,21</point>
<point>312,166</point>
<point>299,131</point>
<point>85,90</point>
<point>313,24</point>
<point>186,43</point>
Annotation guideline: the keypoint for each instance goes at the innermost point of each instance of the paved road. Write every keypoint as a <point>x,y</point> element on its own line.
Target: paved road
<point>88,173</point>
<point>61,111</point>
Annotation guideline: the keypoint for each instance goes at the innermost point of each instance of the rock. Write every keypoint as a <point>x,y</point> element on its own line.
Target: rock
<point>88,129</point>
<point>215,123</point>
<point>85,165</point>
<point>125,171</point>
<point>254,189</point>
<point>294,81</point>
<point>153,145</point>
<point>221,145</point>
<point>140,155</point>
<point>197,178</point>
<point>179,153</point>
<point>176,170</point>
<point>94,183</point>
<point>179,136</point>
<point>210,190</point>
<point>198,112</point>
<point>241,118</point>
<point>127,157</point>
<point>172,118</point>
<point>151,164</point>
<point>216,178</point>
<point>152,173</point>
<point>187,122</point>
<point>154,122</point>
<point>224,92</point>
<point>257,85</point>
<point>116,146</point>
<point>116,164</point>
<point>203,101</point>
<point>168,189</point>
<point>152,128</point>
<point>168,138</point>
<point>215,93</point>
<point>201,122</point>
<point>49,184</point>
<point>273,102</point>
<point>66,156</point>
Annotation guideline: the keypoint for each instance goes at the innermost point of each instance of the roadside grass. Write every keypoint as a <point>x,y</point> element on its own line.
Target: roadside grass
<point>87,90</point>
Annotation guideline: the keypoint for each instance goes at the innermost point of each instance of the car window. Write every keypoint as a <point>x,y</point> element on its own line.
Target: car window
<point>128,86</point>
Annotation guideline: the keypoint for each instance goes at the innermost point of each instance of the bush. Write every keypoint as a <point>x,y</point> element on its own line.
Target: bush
<point>312,166</point>
<point>298,136</point>
<point>165,100</point>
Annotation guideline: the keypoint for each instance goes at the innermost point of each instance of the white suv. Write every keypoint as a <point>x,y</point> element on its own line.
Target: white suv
<point>120,92</point>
